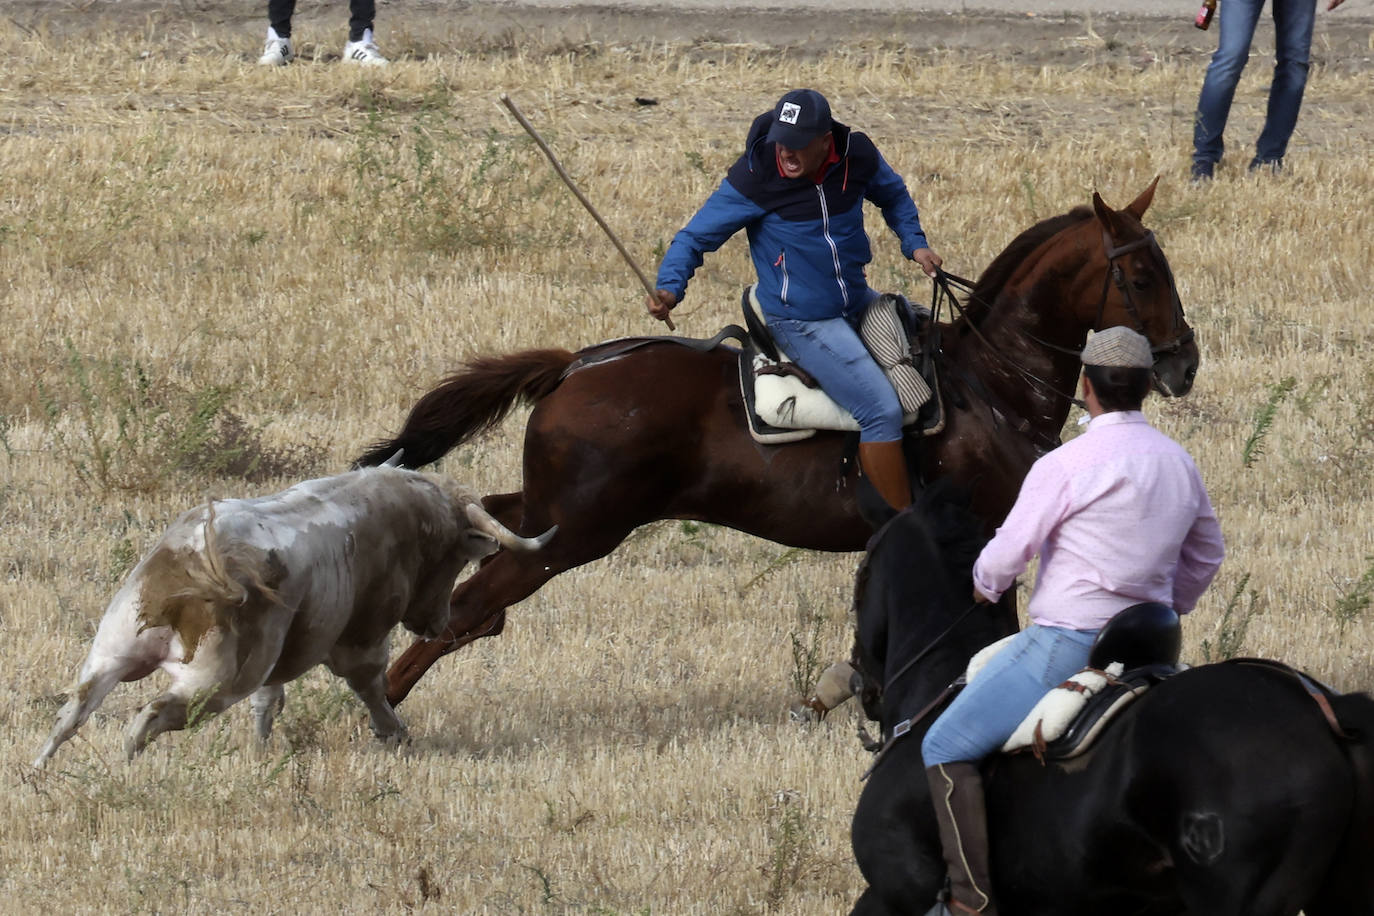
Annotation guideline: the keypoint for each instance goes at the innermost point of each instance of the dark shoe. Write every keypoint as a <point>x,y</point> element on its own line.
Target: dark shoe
<point>956,789</point>
<point>1272,166</point>
<point>1202,172</point>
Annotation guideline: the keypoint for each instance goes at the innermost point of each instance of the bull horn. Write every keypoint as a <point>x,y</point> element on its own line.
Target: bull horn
<point>487,524</point>
<point>395,460</point>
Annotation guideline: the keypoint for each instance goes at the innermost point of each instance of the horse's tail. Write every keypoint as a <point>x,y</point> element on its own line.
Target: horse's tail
<point>472,400</point>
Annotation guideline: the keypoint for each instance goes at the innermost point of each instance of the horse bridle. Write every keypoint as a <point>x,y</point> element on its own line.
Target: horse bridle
<point>1117,276</point>
<point>1113,276</point>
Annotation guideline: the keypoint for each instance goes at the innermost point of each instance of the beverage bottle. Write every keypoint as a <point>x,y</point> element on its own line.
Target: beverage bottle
<point>1204,15</point>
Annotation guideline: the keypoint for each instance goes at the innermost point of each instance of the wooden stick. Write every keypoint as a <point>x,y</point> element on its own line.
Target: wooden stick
<point>567,180</point>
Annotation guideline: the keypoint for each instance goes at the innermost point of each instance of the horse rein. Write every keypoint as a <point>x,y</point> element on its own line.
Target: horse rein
<point>901,728</point>
<point>942,290</point>
<point>887,685</point>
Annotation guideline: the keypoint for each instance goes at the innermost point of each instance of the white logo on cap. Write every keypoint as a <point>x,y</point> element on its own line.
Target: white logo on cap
<point>790,112</point>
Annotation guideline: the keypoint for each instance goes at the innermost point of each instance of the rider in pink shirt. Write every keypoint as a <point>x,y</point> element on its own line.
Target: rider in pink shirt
<point>1083,508</point>
<point>1119,516</point>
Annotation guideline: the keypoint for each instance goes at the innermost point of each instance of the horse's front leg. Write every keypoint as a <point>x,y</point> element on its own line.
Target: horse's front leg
<point>412,664</point>
<point>478,606</point>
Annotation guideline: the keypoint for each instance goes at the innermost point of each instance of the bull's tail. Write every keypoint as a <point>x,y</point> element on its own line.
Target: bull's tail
<point>472,400</point>
<point>212,587</point>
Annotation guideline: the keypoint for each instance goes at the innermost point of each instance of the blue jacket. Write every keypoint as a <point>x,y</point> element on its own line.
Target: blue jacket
<point>807,240</point>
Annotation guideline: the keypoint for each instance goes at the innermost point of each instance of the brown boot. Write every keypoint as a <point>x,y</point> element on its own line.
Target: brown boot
<point>956,789</point>
<point>885,466</point>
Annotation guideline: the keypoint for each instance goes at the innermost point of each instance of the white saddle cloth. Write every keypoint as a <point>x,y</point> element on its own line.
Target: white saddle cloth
<point>784,401</point>
<point>1055,711</point>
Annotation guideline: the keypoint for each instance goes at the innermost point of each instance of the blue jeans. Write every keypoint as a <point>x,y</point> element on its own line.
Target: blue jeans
<point>1293,23</point>
<point>983,716</point>
<point>831,350</point>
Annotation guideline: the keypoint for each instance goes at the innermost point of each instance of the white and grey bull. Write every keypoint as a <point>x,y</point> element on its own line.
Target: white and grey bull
<point>242,595</point>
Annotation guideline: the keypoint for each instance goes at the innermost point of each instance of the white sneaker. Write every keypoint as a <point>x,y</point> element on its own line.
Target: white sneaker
<point>278,52</point>
<point>364,52</point>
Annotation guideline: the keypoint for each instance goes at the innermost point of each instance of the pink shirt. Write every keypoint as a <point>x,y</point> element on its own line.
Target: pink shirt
<point>1119,516</point>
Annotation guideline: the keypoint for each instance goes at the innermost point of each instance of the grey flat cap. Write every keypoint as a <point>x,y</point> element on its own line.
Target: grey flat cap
<point>1118,346</point>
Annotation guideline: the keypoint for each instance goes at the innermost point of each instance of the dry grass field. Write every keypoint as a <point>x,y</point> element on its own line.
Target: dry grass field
<point>220,280</point>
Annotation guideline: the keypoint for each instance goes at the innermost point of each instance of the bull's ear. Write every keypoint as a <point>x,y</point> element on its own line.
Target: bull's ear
<point>476,544</point>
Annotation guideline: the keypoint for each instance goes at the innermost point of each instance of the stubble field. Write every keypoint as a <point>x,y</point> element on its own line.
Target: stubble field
<point>220,280</point>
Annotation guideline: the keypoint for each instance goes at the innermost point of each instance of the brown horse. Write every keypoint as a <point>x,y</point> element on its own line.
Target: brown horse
<point>630,432</point>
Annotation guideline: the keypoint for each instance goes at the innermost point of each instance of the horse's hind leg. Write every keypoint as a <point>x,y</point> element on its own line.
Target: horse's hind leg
<point>412,664</point>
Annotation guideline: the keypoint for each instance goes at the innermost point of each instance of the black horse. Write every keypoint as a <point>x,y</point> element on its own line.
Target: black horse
<point>1222,791</point>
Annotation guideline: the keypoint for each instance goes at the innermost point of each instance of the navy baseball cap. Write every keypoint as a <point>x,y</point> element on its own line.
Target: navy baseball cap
<point>800,116</point>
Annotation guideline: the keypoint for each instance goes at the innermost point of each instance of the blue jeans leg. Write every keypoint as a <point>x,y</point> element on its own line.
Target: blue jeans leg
<point>1293,24</point>
<point>832,352</point>
<point>1236,24</point>
<point>984,715</point>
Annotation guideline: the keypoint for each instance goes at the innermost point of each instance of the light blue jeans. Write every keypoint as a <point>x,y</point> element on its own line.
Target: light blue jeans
<point>1293,23</point>
<point>832,351</point>
<point>983,716</point>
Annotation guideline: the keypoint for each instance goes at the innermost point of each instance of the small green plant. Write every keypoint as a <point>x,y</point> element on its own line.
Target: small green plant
<point>786,558</point>
<point>310,710</point>
<point>548,895</point>
<point>433,189</point>
<point>1029,189</point>
<point>806,653</point>
<point>1230,633</point>
<point>791,848</point>
<point>566,817</point>
<point>121,428</point>
<point>1264,419</point>
<point>1356,600</point>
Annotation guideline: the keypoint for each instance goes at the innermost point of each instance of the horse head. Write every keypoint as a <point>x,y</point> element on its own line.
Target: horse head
<point>1138,291</point>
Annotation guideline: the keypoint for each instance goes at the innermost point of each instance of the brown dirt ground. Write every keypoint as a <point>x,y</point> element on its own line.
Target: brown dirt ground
<point>1344,40</point>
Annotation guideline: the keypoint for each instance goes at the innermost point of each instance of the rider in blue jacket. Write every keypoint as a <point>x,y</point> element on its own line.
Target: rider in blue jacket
<point>798,193</point>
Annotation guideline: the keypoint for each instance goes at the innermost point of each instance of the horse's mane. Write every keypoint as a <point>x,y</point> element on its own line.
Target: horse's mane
<point>985,291</point>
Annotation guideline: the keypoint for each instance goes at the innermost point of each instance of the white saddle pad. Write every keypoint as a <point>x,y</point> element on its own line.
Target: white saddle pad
<point>1055,711</point>
<point>784,401</point>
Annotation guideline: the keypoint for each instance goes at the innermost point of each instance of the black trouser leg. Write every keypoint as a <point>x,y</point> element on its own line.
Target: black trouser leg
<point>361,14</point>
<point>279,16</point>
